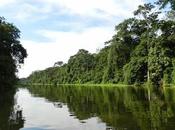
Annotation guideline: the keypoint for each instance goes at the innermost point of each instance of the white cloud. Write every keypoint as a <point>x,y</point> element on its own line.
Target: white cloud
<point>91,7</point>
<point>106,9</point>
<point>6,2</point>
<point>30,12</point>
<point>61,46</point>
<point>96,8</point>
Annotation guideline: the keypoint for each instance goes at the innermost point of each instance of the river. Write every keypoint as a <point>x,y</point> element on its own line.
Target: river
<point>89,108</point>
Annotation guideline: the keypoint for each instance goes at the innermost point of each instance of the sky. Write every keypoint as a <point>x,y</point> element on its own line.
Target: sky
<point>54,30</point>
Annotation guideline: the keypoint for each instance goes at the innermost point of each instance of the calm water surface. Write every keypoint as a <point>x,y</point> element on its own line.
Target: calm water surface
<point>41,114</point>
<point>89,108</point>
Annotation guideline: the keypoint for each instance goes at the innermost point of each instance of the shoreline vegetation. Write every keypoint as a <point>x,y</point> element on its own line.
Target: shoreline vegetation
<point>12,55</point>
<point>40,84</point>
<point>142,51</point>
<point>95,85</point>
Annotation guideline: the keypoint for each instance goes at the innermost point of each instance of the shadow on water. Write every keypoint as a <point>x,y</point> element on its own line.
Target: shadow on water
<point>121,108</point>
<point>10,114</point>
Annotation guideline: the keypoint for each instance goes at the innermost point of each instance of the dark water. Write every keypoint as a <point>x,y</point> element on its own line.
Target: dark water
<point>10,115</point>
<point>88,108</point>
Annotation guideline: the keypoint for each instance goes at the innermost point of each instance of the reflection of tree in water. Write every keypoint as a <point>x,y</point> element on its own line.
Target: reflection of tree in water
<point>10,114</point>
<point>120,108</point>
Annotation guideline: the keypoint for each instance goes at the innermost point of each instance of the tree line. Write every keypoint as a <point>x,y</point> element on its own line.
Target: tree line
<point>141,50</point>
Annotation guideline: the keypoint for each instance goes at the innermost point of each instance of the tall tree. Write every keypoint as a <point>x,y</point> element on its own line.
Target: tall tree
<point>12,53</point>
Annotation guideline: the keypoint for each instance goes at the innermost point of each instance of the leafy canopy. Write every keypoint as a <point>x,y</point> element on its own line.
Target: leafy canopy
<point>12,53</point>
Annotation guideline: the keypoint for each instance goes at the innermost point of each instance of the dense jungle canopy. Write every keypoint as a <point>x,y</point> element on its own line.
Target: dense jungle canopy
<point>142,50</point>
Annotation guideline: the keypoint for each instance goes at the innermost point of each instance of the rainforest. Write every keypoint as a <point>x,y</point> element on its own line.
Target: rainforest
<point>128,84</point>
<point>142,51</point>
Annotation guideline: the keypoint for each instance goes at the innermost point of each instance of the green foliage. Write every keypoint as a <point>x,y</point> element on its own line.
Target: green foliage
<point>12,53</point>
<point>100,65</point>
<point>142,50</point>
<point>80,66</point>
<point>135,71</point>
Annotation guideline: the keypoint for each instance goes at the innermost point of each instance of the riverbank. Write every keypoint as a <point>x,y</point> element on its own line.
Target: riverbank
<point>96,85</point>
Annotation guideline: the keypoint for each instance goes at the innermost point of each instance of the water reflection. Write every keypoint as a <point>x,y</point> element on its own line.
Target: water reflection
<point>118,107</point>
<point>10,114</point>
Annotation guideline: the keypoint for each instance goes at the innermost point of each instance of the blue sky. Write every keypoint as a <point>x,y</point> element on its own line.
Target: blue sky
<point>53,30</point>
